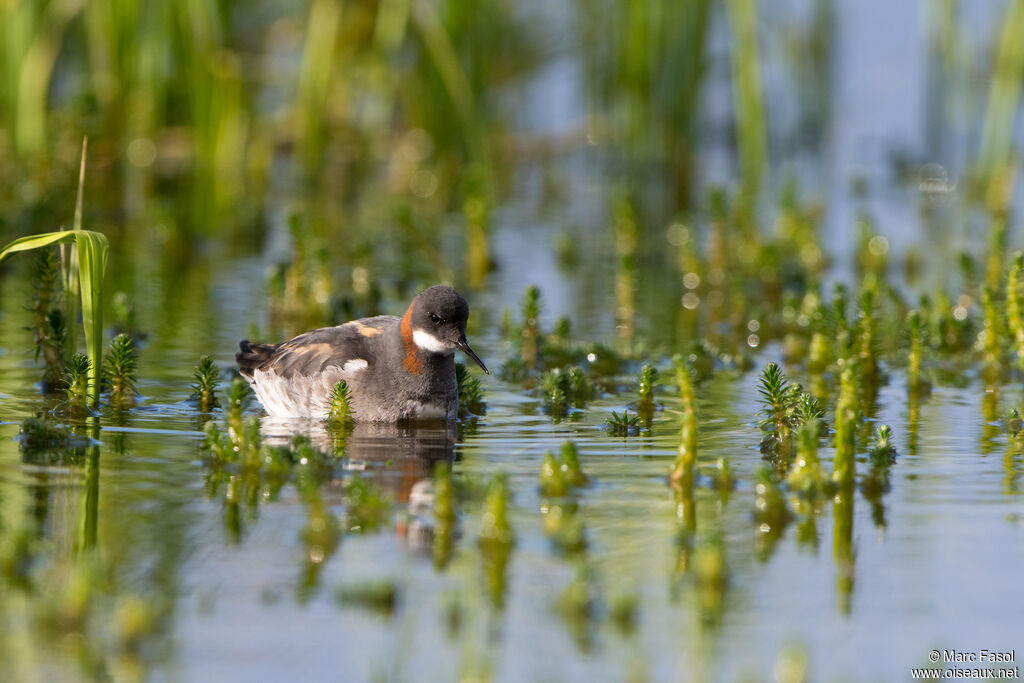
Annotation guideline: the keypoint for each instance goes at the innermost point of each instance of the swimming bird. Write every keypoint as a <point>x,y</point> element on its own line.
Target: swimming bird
<point>396,368</point>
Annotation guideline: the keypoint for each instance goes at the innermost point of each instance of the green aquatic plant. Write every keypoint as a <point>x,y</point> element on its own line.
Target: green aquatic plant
<point>722,476</point>
<point>867,345</point>
<point>808,478</point>
<point>248,446</point>
<point>969,273</point>
<point>991,334</point>
<point>47,320</point>
<point>135,619</point>
<point>445,503</point>
<point>580,388</point>
<point>770,508</point>
<point>875,483</point>
<point>915,382</point>
<point>19,551</point>
<point>819,356</point>
<point>807,409</point>
<point>240,445</point>
<point>552,480</point>
<point>701,359</point>
<point>123,314</point>
<point>299,290</point>
<point>842,547</point>
<point>204,391</point>
<point>496,539</point>
<point>42,434</point>
<point>477,210</point>
<point>682,472</point>
<point>445,514</point>
<point>627,236</point>
<point>884,451</point>
<point>239,396</point>
<point>565,388</point>
<point>367,508</point>
<point>561,332</point>
<point>340,412</point>
<point>1015,305</point>
<point>76,385</point>
<point>471,393</point>
<point>120,371</point>
<point>622,425</point>
<point>603,361</point>
<point>378,595</point>
<point>557,389</point>
<point>847,416</point>
<point>558,475</point>
<point>872,249</point>
<point>999,198</point>
<point>711,579</point>
<point>792,666</point>
<point>623,608</point>
<point>840,322</point>
<point>537,350</point>
<point>1013,423</point>
<point>771,512</point>
<point>68,609</point>
<point>950,329</point>
<point>564,526</point>
<point>45,442</point>
<point>495,529</point>
<point>514,371</point>
<point>578,602</point>
<point>218,443</point>
<point>320,537</point>
<point>778,398</point>
<point>82,281</point>
<point>531,333</point>
<point>580,606</point>
<point>570,465</point>
<point>645,393</point>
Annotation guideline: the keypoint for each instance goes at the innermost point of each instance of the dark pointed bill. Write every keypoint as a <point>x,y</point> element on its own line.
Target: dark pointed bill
<point>464,346</point>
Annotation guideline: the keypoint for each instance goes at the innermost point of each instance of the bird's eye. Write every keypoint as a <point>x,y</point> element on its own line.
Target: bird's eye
<point>435,318</point>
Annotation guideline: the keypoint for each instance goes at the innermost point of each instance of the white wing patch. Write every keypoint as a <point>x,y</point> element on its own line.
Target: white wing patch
<point>429,342</point>
<point>355,365</point>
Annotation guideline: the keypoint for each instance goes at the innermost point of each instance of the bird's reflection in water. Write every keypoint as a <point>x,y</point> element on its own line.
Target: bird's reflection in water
<point>397,459</point>
<point>393,456</point>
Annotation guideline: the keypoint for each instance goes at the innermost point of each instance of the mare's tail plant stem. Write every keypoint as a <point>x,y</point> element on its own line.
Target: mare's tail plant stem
<point>1015,305</point>
<point>846,425</point>
<point>121,371</point>
<point>204,390</point>
<point>686,461</point>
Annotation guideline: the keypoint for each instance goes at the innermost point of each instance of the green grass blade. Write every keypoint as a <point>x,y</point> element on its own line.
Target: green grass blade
<point>81,184</point>
<point>70,260</point>
<point>30,242</point>
<point>92,264</point>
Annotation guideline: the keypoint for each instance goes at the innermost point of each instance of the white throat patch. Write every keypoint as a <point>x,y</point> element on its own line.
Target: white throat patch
<point>429,342</point>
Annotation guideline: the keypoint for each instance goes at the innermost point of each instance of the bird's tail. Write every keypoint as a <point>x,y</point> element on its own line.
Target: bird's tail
<point>253,356</point>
